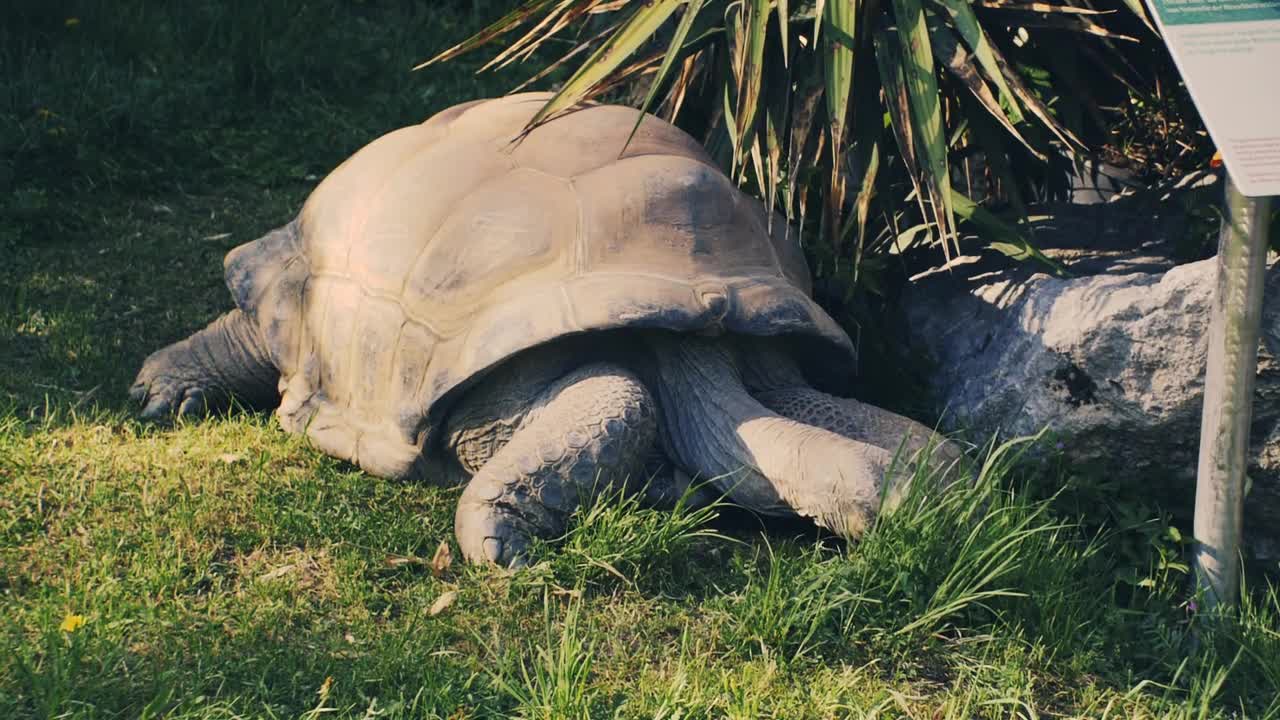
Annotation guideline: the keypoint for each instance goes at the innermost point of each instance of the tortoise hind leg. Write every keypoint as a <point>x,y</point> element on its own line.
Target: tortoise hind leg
<point>862,422</point>
<point>592,427</point>
<point>775,380</point>
<point>206,371</point>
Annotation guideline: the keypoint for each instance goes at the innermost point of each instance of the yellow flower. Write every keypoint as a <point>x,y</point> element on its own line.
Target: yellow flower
<point>325,686</point>
<point>71,623</point>
<point>71,21</point>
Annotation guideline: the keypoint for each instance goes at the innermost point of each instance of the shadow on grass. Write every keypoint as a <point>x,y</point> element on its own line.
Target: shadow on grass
<point>141,140</point>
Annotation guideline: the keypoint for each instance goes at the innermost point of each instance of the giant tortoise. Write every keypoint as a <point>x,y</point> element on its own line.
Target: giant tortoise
<point>549,312</point>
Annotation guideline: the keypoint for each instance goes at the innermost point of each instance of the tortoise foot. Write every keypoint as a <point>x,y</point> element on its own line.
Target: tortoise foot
<point>172,383</point>
<point>490,534</point>
<point>203,373</point>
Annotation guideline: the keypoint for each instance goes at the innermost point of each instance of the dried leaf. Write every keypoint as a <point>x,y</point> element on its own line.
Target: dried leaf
<point>898,105</point>
<point>442,560</point>
<point>502,26</point>
<point>277,573</point>
<point>965,22</point>
<point>1038,7</point>
<point>1032,102</point>
<point>1075,23</point>
<point>443,602</point>
<point>750,76</point>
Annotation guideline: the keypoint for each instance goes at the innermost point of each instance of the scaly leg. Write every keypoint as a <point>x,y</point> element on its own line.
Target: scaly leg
<point>203,373</point>
<point>592,427</point>
<point>862,422</point>
<point>715,429</point>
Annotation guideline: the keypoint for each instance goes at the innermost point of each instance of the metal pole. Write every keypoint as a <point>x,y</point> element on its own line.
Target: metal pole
<point>1228,395</point>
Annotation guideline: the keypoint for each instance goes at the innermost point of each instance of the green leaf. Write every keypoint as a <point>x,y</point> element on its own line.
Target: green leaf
<point>750,74</point>
<point>637,30</point>
<point>1007,240</point>
<point>966,23</point>
<point>960,64</point>
<point>925,103</point>
<point>673,53</point>
<point>838,67</point>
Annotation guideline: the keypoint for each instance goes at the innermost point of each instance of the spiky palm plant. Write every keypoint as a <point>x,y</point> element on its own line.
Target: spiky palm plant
<point>861,119</point>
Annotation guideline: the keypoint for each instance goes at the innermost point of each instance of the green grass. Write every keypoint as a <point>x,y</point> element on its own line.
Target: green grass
<point>223,569</point>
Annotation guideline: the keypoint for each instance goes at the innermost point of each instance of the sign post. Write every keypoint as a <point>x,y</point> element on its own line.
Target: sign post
<point>1228,395</point>
<point>1228,52</point>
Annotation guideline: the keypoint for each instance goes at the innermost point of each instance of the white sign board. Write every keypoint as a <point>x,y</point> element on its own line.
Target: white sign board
<point>1228,51</point>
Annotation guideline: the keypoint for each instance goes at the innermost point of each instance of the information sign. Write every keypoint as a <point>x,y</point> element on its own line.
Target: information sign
<point>1228,52</point>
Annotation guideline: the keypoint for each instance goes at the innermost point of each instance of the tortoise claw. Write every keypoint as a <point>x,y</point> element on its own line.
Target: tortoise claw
<point>158,407</point>
<point>489,535</point>
<point>165,388</point>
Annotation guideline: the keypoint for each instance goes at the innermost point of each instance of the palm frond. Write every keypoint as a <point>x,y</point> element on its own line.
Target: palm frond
<point>860,105</point>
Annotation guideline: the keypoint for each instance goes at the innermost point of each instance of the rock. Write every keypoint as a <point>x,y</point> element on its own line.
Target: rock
<point>1111,359</point>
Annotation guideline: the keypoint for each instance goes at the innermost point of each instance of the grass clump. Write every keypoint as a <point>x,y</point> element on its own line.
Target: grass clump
<point>615,539</point>
<point>970,558</point>
<point>551,680</point>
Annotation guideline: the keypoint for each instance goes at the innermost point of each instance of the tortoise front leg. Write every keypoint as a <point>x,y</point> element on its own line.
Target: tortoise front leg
<point>203,373</point>
<point>592,427</point>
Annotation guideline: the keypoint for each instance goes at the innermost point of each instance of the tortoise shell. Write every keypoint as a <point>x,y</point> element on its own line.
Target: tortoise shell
<point>439,250</point>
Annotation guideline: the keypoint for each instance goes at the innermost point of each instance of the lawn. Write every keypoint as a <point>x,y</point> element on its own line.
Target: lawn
<point>223,569</point>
